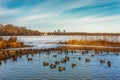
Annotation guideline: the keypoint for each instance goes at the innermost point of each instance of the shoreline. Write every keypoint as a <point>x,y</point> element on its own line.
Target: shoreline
<point>64,45</point>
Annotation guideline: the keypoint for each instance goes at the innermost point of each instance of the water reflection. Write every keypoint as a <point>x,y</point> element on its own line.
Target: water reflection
<point>59,65</point>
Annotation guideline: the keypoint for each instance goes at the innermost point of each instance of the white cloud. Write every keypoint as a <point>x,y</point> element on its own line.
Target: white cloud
<point>48,7</point>
<point>92,20</point>
<point>89,24</point>
<point>34,17</point>
<point>49,15</point>
<point>7,12</point>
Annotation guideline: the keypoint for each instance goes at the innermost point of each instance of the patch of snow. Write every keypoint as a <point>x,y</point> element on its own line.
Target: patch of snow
<point>50,41</point>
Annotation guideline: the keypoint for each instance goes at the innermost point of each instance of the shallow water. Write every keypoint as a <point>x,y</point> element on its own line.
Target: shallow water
<point>22,69</point>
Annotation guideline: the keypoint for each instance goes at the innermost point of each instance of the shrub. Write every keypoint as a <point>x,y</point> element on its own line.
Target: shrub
<point>10,43</point>
<point>3,44</point>
<point>12,39</point>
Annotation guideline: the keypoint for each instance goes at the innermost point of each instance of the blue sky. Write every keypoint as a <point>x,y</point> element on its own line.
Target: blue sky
<point>71,15</point>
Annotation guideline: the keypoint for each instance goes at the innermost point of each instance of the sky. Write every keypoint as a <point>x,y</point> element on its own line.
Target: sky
<point>69,15</point>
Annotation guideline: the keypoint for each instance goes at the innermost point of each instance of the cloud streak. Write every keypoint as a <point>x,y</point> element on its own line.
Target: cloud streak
<point>72,15</point>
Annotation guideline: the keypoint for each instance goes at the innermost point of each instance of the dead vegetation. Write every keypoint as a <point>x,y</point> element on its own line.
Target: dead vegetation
<point>10,43</point>
<point>10,30</point>
<point>94,42</point>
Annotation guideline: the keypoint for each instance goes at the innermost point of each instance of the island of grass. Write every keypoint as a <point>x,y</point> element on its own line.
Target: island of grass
<point>104,43</point>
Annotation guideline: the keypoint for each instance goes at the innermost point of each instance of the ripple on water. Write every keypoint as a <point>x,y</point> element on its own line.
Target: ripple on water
<point>93,70</point>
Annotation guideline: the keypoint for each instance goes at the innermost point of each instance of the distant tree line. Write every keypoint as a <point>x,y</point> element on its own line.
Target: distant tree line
<point>9,29</point>
<point>12,30</point>
<point>59,31</point>
<point>83,33</point>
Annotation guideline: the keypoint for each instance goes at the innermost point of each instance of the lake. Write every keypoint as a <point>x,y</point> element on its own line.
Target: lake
<point>22,69</point>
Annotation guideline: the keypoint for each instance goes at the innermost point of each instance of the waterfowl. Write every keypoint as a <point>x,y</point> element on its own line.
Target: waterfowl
<point>109,64</point>
<point>27,55</point>
<point>15,59</point>
<point>63,61</point>
<point>87,60</point>
<point>67,58</point>
<point>61,68</point>
<point>57,62</point>
<point>79,58</point>
<point>73,65</point>
<point>45,63</point>
<point>29,59</point>
<point>92,55</point>
<point>102,61</point>
<point>54,55</point>
<point>52,66</point>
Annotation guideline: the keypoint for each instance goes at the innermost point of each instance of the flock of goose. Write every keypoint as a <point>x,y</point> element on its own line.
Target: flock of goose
<point>67,58</point>
<point>7,54</point>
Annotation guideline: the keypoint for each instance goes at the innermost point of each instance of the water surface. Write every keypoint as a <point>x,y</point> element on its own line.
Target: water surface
<point>22,69</point>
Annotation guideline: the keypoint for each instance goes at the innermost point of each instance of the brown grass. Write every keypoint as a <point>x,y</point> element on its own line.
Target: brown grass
<point>94,42</point>
<point>10,43</point>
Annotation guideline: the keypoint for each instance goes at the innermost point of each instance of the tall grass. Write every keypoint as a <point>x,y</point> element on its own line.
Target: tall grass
<point>94,42</point>
<point>10,43</point>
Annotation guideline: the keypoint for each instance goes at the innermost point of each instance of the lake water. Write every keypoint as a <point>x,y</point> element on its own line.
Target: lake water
<point>22,69</point>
